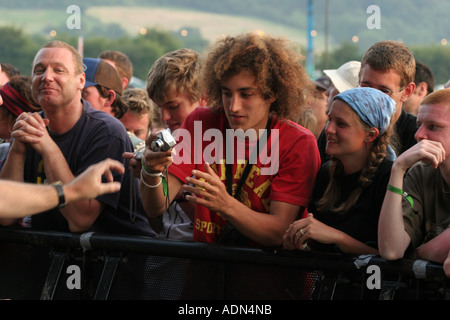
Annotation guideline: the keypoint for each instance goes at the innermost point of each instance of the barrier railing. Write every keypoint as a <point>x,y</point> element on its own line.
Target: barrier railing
<point>53,265</point>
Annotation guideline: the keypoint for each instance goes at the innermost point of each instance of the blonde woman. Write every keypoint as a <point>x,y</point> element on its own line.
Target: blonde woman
<point>350,188</point>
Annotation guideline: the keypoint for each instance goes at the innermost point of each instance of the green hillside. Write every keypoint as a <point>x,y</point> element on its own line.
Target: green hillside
<point>412,21</point>
<point>120,24</point>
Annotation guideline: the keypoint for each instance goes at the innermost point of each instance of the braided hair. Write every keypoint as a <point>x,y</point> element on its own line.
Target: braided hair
<point>375,156</point>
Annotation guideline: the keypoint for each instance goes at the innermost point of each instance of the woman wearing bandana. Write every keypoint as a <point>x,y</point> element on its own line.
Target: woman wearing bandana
<point>349,190</point>
<point>15,99</point>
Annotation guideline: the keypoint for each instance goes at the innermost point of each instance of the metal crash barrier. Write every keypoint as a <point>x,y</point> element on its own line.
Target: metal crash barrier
<point>52,265</point>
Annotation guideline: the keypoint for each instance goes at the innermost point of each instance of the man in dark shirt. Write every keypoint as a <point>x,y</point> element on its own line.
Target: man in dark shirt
<point>69,136</point>
<point>389,66</point>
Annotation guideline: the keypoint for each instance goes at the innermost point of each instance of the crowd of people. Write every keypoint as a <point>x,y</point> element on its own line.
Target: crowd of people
<point>355,161</point>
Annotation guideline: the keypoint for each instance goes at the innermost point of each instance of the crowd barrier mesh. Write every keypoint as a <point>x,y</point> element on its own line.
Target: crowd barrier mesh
<point>41,265</point>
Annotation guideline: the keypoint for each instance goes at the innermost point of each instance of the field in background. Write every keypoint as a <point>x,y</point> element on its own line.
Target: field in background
<point>211,26</point>
<point>32,21</point>
<point>133,19</point>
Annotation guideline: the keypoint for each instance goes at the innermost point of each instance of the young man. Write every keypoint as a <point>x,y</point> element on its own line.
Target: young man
<point>415,213</point>
<point>138,118</point>
<point>103,87</point>
<point>76,137</point>
<point>424,80</point>
<point>174,87</point>
<point>121,63</point>
<point>389,66</point>
<point>253,83</point>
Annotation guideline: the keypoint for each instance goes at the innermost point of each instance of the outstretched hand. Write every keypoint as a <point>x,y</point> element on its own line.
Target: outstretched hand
<point>89,185</point>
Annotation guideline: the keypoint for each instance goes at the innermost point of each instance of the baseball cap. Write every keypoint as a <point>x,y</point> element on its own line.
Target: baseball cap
<point>98,71</point>
<point>346,76</point>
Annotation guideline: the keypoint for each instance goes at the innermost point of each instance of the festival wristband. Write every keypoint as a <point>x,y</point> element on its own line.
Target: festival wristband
<point>147,172</point>
<point>148,185</point>
<point>154,174</point>
<point>403,194</point>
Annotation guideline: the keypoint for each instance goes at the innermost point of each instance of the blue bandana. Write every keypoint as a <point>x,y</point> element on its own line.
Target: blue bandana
<point>373,106</point>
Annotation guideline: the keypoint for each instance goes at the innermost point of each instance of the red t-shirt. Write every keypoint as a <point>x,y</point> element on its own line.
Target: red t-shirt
<point>284,170</point>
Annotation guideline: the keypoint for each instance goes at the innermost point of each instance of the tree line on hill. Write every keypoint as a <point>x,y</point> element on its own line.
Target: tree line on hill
<point>413,21</point>
<point>18,48</point>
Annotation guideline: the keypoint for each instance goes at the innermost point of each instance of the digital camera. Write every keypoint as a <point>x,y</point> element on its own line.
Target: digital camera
<point>163,141</point>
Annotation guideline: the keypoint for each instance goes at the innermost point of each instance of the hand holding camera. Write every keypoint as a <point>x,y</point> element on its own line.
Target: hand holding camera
<point>163,142</point>
<point>157,160</point>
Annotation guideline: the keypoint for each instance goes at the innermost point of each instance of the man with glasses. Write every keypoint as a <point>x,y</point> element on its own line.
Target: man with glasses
<point>389,66</point>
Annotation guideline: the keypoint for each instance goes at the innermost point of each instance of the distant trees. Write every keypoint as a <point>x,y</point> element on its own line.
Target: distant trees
<point>143,50</point>
<point>342,54</point>
<point>437,57</point>
<point>19,48</point>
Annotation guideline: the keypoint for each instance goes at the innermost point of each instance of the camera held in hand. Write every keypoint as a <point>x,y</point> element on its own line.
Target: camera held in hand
<point>163,141</point>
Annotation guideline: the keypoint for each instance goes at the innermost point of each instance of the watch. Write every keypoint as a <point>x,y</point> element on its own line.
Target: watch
<point>59,188</point>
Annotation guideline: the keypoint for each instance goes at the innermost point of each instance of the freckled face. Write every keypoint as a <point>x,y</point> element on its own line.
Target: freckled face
<point>434,124</point>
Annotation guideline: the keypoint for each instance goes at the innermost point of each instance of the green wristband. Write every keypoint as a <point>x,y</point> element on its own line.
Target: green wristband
<point>403,194</point>
<point>153,174</point>
<point>143,165</point>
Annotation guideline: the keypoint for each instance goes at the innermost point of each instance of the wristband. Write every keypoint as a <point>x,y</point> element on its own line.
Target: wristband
<point>61,199</point>
<point>147,172</point>
<point>148,185</point>
<point>403,194</point>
